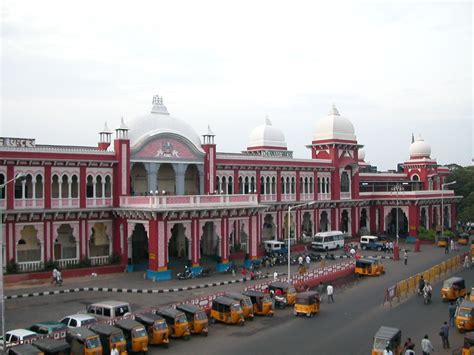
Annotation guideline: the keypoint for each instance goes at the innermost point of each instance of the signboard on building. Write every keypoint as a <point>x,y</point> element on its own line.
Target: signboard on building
<point>17,142</point>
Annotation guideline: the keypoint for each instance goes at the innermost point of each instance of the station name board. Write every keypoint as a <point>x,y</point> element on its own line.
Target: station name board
<point>276,153</point>
<point>17,142</point>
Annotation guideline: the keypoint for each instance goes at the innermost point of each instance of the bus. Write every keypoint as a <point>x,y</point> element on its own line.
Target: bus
<point>328,240</point>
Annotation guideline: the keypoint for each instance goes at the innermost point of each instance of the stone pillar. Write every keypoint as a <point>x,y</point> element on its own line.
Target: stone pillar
<point>152,172</point>
<point>158,248</point>
<point>354,227</point>
<point>278,185</point>
<point>413,219</point>
<point>372,219</point>
<point>253,225</point>
<point>195,231</point>
<point>201,179</point>
<point>180,171</point>
<point>224,244</point>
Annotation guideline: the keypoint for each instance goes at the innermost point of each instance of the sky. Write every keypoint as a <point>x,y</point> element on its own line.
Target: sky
<point>391,68</point>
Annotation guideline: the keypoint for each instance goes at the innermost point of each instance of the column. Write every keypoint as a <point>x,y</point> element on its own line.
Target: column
<point>413,219</point>
<point>153,237</point>
<point>69,191</point>
<point>180,170</point>
<point>152,172</point>
<point>195,242</point>
<point>355,219</point>
<point>253,225</point>
<point>224,240</point>
<point>201,179</point>
<point>298,187</point>
<point>158,244</point>
<point>372,219</point>
<point>278,185</point>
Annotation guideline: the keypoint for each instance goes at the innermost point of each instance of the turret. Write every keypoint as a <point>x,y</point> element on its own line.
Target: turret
<point>105,138</point>
<point>209,161</point>
<point>122,168</point>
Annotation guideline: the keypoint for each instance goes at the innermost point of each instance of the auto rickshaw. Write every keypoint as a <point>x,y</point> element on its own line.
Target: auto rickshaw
<point>84,342</point>
<point>178,326</point>
<point>465,316</point>
<point>307,303</point>
<point>471,295</point>
<point>387,337</point>
<point>156,327</point>
<point>245,303</point>
<point>472,252</point>
<point>24,349</point>
<point>135,335</point>
<point>227,310</point>
<point>468,347</point>
<point>463,239</point>
<point>453,288</point>
<point>369,267</point>
<point>110,336</point>
<point>52,346</point>
<point>262,303</point>
<point>197,318</point>
<point>443,241</point>
<point>286,290</point>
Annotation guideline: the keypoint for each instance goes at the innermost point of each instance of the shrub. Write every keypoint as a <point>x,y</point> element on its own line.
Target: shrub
<point>449,234</point>
<point>50,265</point>
<point>12,267</point>
<point>115,258</point>
<point>425,234</point>
<point>84,262</point>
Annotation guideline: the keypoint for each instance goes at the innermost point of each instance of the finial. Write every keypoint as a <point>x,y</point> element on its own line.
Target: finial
<point>157,100</point>
<point>267,121</point>
<point>106,128</point>
<point>412,137</point>
<point>334,110</point>
<point>209,131</point>
<point>123,126</point>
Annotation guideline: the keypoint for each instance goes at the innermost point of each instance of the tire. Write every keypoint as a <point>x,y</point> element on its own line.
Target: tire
<point>363,247</point>
<point>379,249</point>
<point>241,324</point>
<point>308,315</point>
<point>205,334</point>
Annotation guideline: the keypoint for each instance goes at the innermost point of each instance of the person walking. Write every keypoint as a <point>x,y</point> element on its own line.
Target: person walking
<point>275,276</point>
<point>444,333</point>
<point>409,345</point>
<point>467,262</point>
<point>452,244</point>
<point>451,312</point>
<point>320,289</point>
<point>390,246</point>
<point>244,274</point>
<point>308,261</point>
<point>426,346</point>
<point>405,257</point>
<point>330,293</point>
<point>300,260</point>
<point>446,248</point>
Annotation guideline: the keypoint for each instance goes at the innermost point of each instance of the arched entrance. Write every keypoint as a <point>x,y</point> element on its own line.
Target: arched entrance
<point>324,222</point>
<point>446,217</point>
<point>65,245</point>
<point>391,223</point>
<point>178,246</point>
<point>345,222</point>
<point>166,179</point>
<point>363,222</point>
<point>28,248</point>
<point>268,229</point>
<point>191,180</point>
<point>424,218</point>
<point>139,179</point>
<point>139,244</point>
<point>435,222</point>
<point>210,243</point>
<point>307,225</point>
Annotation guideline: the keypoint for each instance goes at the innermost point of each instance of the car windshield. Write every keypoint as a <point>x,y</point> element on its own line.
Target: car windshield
<point>121,311</point>
<point>318,239</point>
<point>93,343</point>
<point>181,319</point>
<point>380,344</point>
<point>200,316</point>
<point>247,302</point>
<point>117,337</point>
<point>159,325</point>
<point>464,312</point>
<point>236,307</point>
<point>139,332</point>
<point>88,321</point>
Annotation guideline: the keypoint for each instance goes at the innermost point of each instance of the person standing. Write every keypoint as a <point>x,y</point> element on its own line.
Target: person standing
<point>320,290</point>
<point>444,333</point>
<point>409,345</point>
<point>114,350</point>
<point>446,248</point>
<point>452,244</point>
<point>452,312</point>
<point>300,260</point>
<point>330,292</point>
<point>405,257</point>
<point>275,276</point>
<point>426,346</point>
<point>308,261</point>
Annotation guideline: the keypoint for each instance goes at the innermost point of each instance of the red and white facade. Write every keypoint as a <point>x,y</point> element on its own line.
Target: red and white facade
<point>157,195</point>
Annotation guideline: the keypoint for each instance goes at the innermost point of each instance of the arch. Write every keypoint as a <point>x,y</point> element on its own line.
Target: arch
<point>307,224</point>
<point>166,179</point>
<point>223,186</point>
<point>139,179</point>
<point>311,185</point>
<point>64,186</point>
<point>285,226</point>
<point>99,240</point>
<point>209,241</point>
<point>241,185</point>
<point>324,223</point>
<point>39,186</point>
<point>293,185</point>
<point>446,217</point>
<point>263,187</point>
<point>345,222</point>
<point>391,222</point>
<point>29,186</point>
<point>415,177</point>
<point>90,186</point>
<point>273,185</point>
<point>319,186</point>
<point>246,185</point>
<point>139,244</point>
<point>424,218</point>
<point>435,221</point>
<point>268,228</point>
<point>191,181</point>
<point>108,186</point>
<point>2,188</point>
<point>345,182</point>
<point>55,186</point>
<point>99,192</point>
<point>65,245</point>
<point>230,186</point>
<point>218,184</point>
<point>363,222</point>
<point>29,246</point>
<point>253,186</point>
<point>74,186</point>
<point>179,244</point>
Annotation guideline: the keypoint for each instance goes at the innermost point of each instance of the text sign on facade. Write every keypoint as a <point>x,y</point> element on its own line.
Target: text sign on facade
<point>17,142</point>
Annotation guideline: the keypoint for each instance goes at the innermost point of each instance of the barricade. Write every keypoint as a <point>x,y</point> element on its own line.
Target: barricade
<point>390,295</point>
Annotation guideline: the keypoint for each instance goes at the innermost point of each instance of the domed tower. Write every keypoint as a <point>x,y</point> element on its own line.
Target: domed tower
<point>267,140</point>
<point>420,166</point>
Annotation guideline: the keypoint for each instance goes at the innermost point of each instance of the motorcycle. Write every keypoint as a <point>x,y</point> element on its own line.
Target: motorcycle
<point>186,274</point>
<point>329,256</point>
<point>280,301</point>
<point>230,267</point>
<point>426,297</point>
<point>315,256</point>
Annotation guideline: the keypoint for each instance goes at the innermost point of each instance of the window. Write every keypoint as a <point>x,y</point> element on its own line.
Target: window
<point>65,321</point>
<point>73,323</point>
<point>107,312</point>
<point>345,182</point>
<point>90,186</point>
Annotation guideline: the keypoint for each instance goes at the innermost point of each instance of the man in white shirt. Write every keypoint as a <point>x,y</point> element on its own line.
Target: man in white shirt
<point>330,292</point>
<point>300,260</point>
<point>426,346</point>
<point>114,350</point>
<point>387,351</point>
<point>308,261</point>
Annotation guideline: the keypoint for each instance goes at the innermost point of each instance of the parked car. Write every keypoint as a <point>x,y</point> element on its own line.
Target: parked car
<point>108,309</point>
<point>47,327</point>
<point>17,336</point>
<point>78,320</point>
<point>370,242</point>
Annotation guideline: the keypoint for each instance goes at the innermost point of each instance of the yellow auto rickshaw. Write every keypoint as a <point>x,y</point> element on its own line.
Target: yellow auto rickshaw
<point>245,303</point>
<point>472,252</point>
<point>468,347</point>
<point>369,267</point>
<point>262,303</point>
<point>286,289</point>
<point>453,288</point>
<point>110,336</point>
<point>463,239</point>
<point>53,346</point>
<point>135,335</point>
<point>227,310</point>
<point>156,328</point>
<point>465,316</point>
<point>307,303</point>
<point>471,295</point>
<point>178,326</point>
<point>197,318</point>
<point>443,241</point>
<point>387,337</point>
<point>84,342</point>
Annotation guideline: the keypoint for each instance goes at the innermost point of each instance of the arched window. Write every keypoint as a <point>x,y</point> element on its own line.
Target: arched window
<point>108,186</point>
<point>223,186</point>
<point>218,184</point>
<point>241,185</point>
<point>230,186</point>
<point>311,187</point>
<point>262,185</point>
<point>90,186</point>
<point>39,186</point>
<point>55,187</point>
<point>319,186</point>
<point>2,189</point>
<point>64,187</point>
<point>293,185</point>
<point>98,187</point>
<point>253,186</point>
<point>74,187</point>
<point>415,177</point>
<point>302,186</point>
<point>327,185</point>
<point>345,184</point>
<point>282,185</point>
<point>29,186</point>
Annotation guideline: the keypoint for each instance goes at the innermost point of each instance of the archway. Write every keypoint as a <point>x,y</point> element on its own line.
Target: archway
<point>99,242</point>
<point>178,246</point>
<point>323,222</point>
<point>446,218</point>
<point>307,225</point>
<point>363,222</point>
<point>391,223</point>
<point>345,222</point>
<point>285,226</point>
<point>139,246</point>
<point>166,179</point>
<point>435,222</point>
<point>210,243</point>
<point>268,229</point>
<point>29,246</point>
<point>424,218</point>
<point>191,180</point>
<point>65,245</point>
<point>139,177</point>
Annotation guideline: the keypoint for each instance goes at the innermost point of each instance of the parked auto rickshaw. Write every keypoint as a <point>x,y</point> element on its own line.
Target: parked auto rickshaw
<point>178,326</point>
<point>227,310</point>
<point>369,267</point>
<point>52,346</point>
<point>468,347</point>
<point>135,335</point>
<point>156,327</point>
<point>262,303</point>
<point>245,303</point>
<point>443,241</point>
<point>387,337</point>
<point>110,336</point>
<point>465,316</point>
<point>453,288</point>
<point>463,239</point>
<point>197,318</point>
<point>471,295</point>
<point>307,303</point>
<point>84,342</point>
<point>24,349</point>
<point>286,289</point>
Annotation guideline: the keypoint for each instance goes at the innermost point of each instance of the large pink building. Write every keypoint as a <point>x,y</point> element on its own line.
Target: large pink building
<point>157,195</point>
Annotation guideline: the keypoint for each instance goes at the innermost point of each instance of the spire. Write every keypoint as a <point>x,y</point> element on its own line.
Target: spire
<point>209,131</point>
<point>334,111</point>
<point>412,138</point>
<point>123,126</point>
<point>158,106</point>
<point>106,128</point>
<point>209,136</point>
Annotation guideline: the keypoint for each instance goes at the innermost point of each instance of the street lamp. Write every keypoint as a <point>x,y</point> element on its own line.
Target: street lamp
<point>288,226</point>
<point>2,299</point>
<point>442,204</point>
<point>397,188</point>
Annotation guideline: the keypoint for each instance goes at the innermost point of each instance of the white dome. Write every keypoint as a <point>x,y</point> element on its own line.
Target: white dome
<point>267,136</point>
<point>160,121</point>
<point>334,126</point>
<point>361,154</point>
<point>420,149</point>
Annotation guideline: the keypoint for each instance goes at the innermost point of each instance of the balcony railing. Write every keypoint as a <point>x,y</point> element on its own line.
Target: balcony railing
<point>28,203</point>
<point>64,202</point>
<point>345,195</point>
<point>64,263</point>
<point>288,197</point>
<point>187,201</point>
<point>268,198</point>
<point>307,197</point>
<point>28,266</point>
<point>99,202</point>
<point>324,197</point>
<point>407,194</point>
<point>99,260</point>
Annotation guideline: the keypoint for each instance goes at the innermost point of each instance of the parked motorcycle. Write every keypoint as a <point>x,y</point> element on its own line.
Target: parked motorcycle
<point>329,256</point>
<point>229,268</point>
<point>315,256</point>
<point>186,274</point>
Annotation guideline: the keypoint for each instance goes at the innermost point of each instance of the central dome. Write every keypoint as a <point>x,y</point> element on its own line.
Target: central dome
<point>266,136</point>
<point>334,126</point>
<point>160,121</point>
<point>420,149</point>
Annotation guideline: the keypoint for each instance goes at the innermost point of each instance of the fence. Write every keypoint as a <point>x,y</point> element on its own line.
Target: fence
<point>404,288</point>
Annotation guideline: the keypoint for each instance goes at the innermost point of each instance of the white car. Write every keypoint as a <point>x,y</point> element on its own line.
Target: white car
<point>78,320</point>
<point>18,336</point>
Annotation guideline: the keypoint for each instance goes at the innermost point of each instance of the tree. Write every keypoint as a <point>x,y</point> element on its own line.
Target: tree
<point>464,186</point>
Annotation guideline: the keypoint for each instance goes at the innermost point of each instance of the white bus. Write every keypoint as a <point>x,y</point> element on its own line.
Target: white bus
<point>328,240</point>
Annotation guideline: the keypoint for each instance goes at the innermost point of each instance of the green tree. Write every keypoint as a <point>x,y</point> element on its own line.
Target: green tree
<point>464,186</point>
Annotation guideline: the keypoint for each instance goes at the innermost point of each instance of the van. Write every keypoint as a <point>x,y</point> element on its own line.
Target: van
<point>109,309</point>
<point>328,240</point>
<point>275,247</point>
<point>370,242</point>
<point>18,336</point>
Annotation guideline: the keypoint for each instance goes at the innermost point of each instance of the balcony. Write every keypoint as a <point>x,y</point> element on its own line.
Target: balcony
<point>345,195</point>
<point>268,198</point>
<point>29,203</point>
<point>64,202</point>
<point>188,201</point>
<point>288,197</point>
<point>99,202</point>
<point>324,197</point>
<point>307,197</point>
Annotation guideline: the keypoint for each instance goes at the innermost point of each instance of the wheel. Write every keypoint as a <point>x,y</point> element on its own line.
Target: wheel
<point>379,249</point>
<point>270,315</point>
<point>187,337</point>
<point>205,334</point>
<point>308,315</point>
<point>213,320</point>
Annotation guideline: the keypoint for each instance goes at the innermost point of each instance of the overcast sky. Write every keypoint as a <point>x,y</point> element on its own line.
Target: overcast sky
<point>392,68</point>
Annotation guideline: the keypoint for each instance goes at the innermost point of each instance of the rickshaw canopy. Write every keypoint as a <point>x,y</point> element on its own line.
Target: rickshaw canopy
<point>226,301</point>
<point>149,318</point>
<point>104,329</point>
<point>280,285</point>
<point>189,308</point>
<point>307,298</point>
<point>365,263</point>
<point>169,312</point>
<point>24,349</point>
<point>52,345</point>
<point>80,333</point>
<point>128,324</point>
<point>454,281</point>
<point>388,333</point>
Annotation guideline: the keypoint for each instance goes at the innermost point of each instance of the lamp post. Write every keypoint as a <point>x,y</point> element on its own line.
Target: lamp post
<point>397,188</point>
<point>288,226</point>
<point>442,204</point>
<point>2,299</point>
